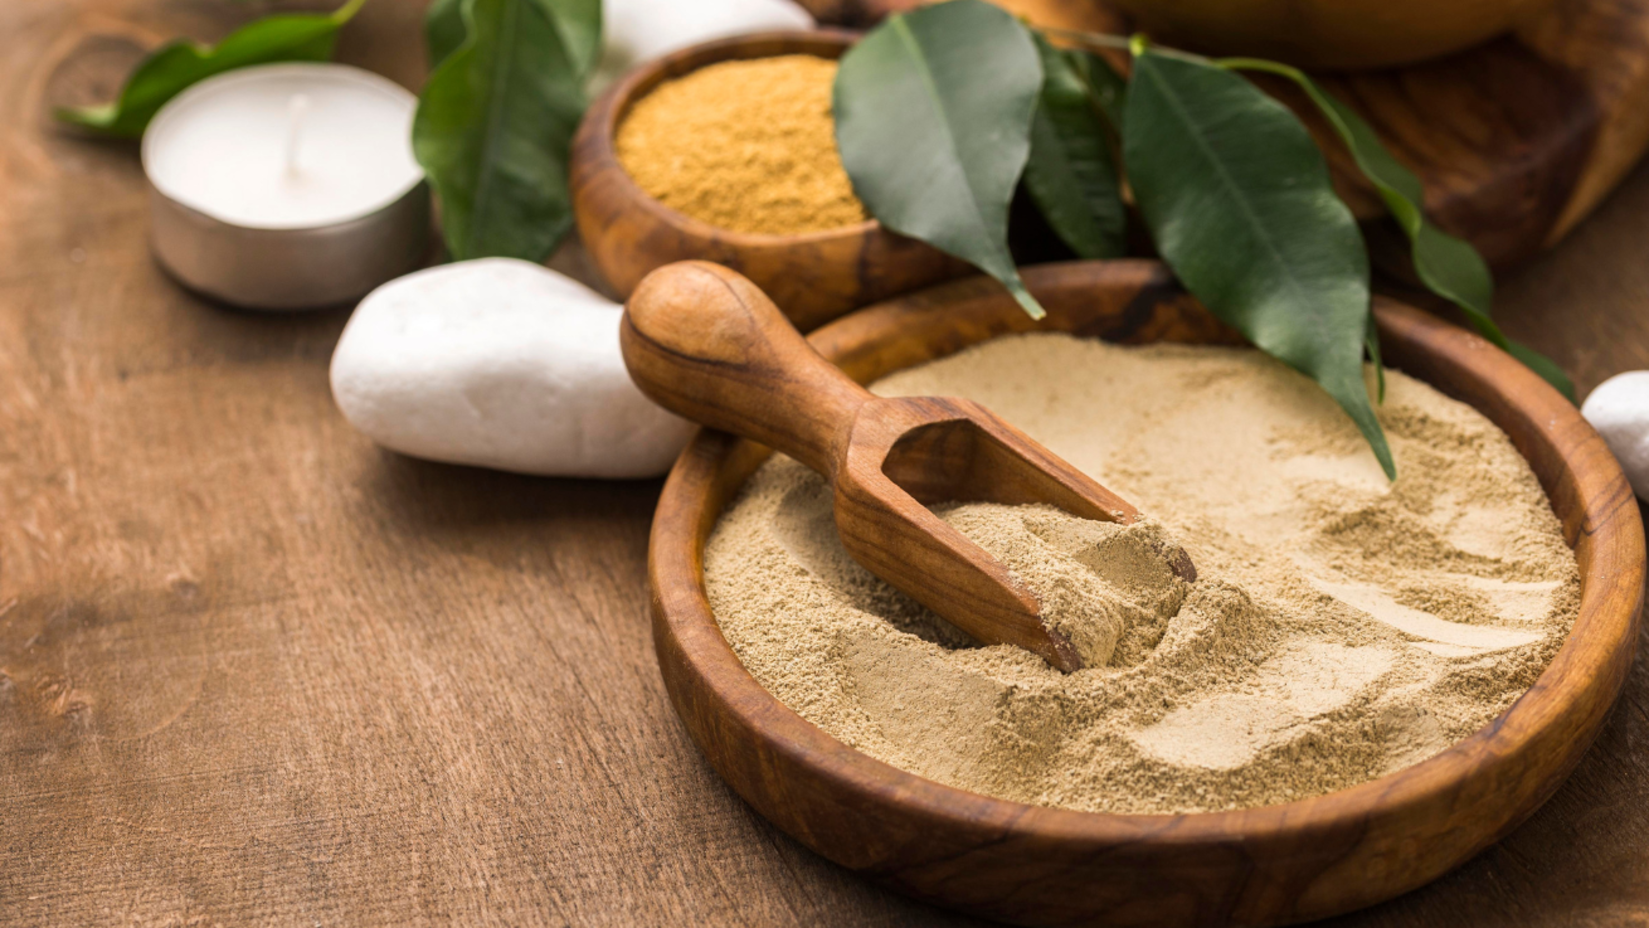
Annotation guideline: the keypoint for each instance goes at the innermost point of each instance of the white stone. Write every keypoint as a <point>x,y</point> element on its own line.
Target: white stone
<point>1619,410</point>
<point>636,31</point>
<point>500,363</point>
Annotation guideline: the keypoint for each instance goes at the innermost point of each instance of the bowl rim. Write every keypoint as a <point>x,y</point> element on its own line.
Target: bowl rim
<point>614,104</point>
<point>1592,662</point>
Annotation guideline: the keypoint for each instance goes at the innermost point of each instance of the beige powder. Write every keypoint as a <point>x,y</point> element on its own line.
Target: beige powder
<point>1342,627</point>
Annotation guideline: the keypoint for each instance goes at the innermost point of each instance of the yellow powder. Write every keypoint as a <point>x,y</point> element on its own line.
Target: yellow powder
<point>1341,627</point>
<point>744,145</point>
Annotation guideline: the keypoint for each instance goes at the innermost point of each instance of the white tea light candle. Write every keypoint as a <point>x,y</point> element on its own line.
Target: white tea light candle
<point>287,186</point>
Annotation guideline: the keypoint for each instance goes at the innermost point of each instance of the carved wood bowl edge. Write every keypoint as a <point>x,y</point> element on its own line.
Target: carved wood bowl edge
<point>1042,866</point>
<point>813,276</point>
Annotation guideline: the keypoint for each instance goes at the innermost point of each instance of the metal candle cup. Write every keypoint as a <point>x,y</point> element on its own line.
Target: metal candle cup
<point>286,186</point>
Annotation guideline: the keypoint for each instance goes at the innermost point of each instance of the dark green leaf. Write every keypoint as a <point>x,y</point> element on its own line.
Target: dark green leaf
<point>1238,199</point>
<point>444,30</point>
<point>1371,341</point>
<point>933,118</point>
<point>1109,90</point>
<point>1449,267</point>
<point>167,72</point>
<point>580,29</point>
<point>496,120</point>
<point>1070,174</point>
<point>1542,365</point>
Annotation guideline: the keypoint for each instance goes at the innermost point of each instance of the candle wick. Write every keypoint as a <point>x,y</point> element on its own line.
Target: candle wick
<point>296,109</point>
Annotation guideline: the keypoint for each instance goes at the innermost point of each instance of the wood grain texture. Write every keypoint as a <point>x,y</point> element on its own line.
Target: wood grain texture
<point>1277,865</point>
<point>1516,141</point>
<point>254,670</point>
<point>814,277</point>
<point>703,342</point>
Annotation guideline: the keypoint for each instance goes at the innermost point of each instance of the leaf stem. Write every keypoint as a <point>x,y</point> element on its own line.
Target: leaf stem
<point>1131,44</point>
<point>1260,64</point>
<point>1096,39</point>
<point>345,13</point>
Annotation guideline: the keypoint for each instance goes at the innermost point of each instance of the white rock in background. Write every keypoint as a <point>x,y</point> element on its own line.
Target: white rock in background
<point>634,31</point>
<point>1619,410</point>
<point>500,363</point>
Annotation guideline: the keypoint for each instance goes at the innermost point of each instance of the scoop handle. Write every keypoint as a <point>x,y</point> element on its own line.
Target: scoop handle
<point>704,342</point>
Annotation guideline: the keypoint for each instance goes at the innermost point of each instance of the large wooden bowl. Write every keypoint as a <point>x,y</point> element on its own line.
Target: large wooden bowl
<point>1042,866</point>
<point>813,277</point>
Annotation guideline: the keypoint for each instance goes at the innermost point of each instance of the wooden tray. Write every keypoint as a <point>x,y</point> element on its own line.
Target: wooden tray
<point>1034,865</point>
<point>1516,141</point>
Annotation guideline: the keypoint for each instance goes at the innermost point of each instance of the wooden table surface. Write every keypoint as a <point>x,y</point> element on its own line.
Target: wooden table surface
<point>254,669</point>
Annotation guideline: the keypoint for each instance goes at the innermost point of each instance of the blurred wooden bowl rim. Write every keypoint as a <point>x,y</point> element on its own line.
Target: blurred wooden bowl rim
<point>1324,35</point>
<point>1331,35</point>
<point>813,277</point>
<point>1040,866</point>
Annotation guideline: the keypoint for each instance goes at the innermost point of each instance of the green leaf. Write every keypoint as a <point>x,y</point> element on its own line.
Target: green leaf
<point>1071,175</point>
<point>172,69</point>
<point>1108,89</point>
<point>444,30</point>
<point>933,120</point>
<point>1449,267</point>
<point>1238,199</point>
<point>1542,365</point>
<point>1371,341</point>
<point>496,121</point>
<point>578,22</point>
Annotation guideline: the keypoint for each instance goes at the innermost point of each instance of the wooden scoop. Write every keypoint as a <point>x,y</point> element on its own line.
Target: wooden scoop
<point>704,342</point>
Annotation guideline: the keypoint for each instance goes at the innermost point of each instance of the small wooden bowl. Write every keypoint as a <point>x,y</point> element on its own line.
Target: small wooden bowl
<point>1041,866</point>
<point>813,277</point>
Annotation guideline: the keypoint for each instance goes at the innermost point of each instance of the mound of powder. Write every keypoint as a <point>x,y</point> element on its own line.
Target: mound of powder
<point>744,145</point>
<point>1100,584</point>
<point>1342,626</point>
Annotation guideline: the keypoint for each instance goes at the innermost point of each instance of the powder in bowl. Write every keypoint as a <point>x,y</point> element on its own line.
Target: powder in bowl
<point>1342,627</point>
<point>748,146</point>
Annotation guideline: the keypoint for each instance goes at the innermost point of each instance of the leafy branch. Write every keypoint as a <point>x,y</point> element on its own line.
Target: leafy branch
<point>1230,185</point>
<point>1447,266</point>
